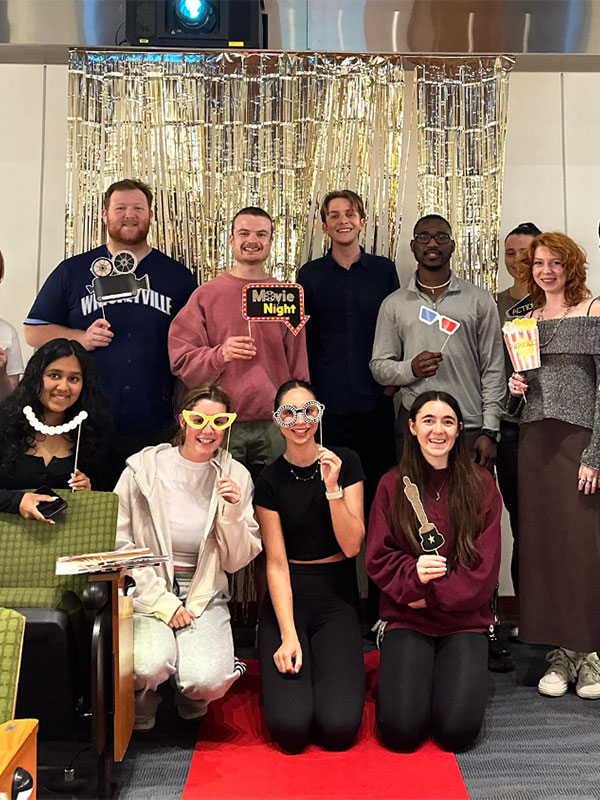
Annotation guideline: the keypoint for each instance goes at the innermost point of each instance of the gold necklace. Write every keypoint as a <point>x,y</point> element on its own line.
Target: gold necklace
<point>437,491</point>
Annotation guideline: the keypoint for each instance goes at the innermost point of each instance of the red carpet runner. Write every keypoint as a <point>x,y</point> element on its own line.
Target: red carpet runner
<point>233,759</point>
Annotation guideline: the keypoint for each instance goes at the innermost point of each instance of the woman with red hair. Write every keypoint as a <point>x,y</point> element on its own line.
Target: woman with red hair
<point>559,465</point>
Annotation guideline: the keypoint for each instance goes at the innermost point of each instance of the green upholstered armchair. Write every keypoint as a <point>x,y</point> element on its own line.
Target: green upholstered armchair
<point>12,627</point>
<point>28,548</point>
<point>58,631</point>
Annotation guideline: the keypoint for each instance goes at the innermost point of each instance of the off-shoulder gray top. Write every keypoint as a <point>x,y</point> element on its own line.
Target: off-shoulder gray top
<point>565,387</point>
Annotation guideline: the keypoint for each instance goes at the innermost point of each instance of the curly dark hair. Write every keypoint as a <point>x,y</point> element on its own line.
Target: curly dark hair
<point>16,434</point>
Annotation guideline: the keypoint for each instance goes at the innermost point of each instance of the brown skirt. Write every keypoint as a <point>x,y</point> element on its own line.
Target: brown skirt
<point>559,539</point>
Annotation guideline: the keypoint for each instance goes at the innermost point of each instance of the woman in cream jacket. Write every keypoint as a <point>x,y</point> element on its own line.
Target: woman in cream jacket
<point>192,502</point>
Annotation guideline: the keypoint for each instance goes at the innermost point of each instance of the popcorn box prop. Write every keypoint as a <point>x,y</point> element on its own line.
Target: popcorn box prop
<point>523,343</point>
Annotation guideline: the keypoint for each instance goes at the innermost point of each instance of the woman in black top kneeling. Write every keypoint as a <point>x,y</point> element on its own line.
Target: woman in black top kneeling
<point>309,504</point>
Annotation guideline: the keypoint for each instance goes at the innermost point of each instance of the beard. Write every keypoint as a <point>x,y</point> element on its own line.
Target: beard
<point>128,235</point>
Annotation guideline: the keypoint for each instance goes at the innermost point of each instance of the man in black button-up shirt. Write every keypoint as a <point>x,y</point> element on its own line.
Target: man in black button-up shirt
<point>343,292</point>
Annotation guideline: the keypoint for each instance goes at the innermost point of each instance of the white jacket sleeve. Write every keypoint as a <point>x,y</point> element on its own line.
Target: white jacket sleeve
<point>236,529</point>
<point>151,594</point>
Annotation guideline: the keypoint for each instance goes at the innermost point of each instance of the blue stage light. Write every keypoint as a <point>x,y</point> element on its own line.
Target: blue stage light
<point>194,13</point>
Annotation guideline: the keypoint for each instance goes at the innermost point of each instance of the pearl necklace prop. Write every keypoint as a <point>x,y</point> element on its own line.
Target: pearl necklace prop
<point>51,430</point>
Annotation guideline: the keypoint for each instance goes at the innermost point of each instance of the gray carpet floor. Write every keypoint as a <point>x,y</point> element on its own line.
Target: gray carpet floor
<point>531,747</point>
<point>534,747</point>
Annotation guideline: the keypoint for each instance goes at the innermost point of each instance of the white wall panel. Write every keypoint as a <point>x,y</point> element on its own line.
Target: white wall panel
<point>52,234</point>
<point>582,162</point>
<point>21,102</point>
<point>533,178</point>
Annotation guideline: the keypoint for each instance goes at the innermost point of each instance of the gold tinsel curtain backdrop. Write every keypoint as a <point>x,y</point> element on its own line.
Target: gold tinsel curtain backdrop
<point>213,132</point>
<point>461,107</point>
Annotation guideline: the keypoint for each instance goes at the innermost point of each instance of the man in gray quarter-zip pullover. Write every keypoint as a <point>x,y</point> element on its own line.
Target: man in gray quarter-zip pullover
<point>407,351</point>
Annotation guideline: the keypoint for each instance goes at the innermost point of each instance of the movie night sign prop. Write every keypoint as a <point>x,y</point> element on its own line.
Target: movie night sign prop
<point>274,302</point>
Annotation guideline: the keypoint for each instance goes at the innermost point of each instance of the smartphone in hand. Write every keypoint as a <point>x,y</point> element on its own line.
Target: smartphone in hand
<point>49,508</point>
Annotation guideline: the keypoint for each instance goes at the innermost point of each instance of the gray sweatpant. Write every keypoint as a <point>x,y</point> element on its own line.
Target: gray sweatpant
<point>200,656</point>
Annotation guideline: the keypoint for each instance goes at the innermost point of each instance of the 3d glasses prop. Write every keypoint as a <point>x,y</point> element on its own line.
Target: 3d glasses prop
<point>447,325</point>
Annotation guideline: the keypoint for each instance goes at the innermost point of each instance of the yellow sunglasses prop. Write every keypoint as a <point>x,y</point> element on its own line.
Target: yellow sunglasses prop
<point>198,420</point>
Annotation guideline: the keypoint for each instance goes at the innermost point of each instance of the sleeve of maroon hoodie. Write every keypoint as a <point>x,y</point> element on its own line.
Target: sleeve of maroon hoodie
<point>192,358</point>
<point>388,561</point>
<point>464,589</point>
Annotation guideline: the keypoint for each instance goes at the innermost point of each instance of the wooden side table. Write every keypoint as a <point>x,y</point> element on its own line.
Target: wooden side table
<point>18,748</point>
<point>112,678</point>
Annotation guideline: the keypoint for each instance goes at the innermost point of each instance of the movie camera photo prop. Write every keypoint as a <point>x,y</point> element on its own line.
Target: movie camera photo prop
<point>114,278</point>
<point>274,302</point>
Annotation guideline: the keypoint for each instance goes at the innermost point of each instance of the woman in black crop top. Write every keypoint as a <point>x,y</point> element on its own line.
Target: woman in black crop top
<point>309,504</point>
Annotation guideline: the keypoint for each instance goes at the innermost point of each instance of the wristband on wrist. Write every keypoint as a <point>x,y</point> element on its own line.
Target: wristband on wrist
<point>493,435</point>
<point>339,492</point>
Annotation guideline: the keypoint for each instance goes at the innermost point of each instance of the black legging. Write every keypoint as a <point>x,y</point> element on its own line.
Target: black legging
<point>327,695</point>
<point>431,686</point>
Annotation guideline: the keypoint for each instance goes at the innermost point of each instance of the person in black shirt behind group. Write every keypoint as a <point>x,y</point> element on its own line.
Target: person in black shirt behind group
<point>343,292</point>
<point>309,505</point>
<point>59,381</point>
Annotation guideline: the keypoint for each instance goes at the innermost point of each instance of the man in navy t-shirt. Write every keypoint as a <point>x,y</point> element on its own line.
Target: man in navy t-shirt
<point>130,345</point>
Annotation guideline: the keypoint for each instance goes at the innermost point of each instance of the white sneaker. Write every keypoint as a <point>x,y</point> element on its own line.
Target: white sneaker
<point>588,682</point>
<point>562,671</point>
<point>144,722</point>
<point>145,712</point>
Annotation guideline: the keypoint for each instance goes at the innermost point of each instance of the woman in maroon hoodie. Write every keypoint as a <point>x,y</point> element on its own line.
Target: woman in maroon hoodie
<point>436,567</point>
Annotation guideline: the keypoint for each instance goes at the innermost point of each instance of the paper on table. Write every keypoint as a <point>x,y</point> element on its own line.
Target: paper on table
<point>108,561</point>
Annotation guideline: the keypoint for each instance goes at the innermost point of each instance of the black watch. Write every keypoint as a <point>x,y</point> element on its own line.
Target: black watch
<point>493,435</point>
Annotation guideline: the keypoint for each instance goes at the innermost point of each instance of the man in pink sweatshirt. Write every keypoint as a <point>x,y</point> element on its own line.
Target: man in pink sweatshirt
<point>209,342</point>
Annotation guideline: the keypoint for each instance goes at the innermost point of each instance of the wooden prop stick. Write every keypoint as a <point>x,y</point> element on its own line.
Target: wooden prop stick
<point>77,450</point>
<point>445,343</point>
<point>102,309</point>
<point>321,443</point>
<point>249,329</point>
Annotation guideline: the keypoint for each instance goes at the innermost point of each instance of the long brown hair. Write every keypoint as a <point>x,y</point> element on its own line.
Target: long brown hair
<point>207,391</point>
<point>573,259</point>
<point>464,488</point>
